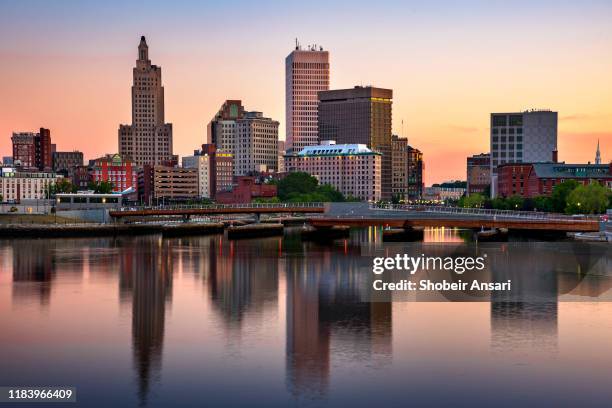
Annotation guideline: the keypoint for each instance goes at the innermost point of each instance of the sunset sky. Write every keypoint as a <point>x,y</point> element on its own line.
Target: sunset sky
<point>67,66</point>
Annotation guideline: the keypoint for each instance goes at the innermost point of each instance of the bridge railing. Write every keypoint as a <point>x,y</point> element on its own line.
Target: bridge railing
<point>250,206</point>
<point>527,215</point>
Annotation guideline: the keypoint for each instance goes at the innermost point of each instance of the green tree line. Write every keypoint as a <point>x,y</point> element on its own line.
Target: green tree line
<point>570,197</point>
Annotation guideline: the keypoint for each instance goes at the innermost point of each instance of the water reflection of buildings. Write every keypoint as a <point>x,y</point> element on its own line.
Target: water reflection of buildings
<point>528,321</point>
<point>326,315</point>
<point>34,268</point>
<point>243,277</point>
<point>146,277</point>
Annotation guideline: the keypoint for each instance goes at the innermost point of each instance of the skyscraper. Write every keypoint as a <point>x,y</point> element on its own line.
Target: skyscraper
<point>360,115</point>
<point>148,140</point>
<point>529,137</point>
<point>306,73</point>
<point>249,136</point>
<point>399,160</point>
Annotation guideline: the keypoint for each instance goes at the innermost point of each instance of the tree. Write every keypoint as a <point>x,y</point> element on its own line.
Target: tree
<point>101,187</point>
<point>475,200</point>
<point>515,203</point>
<point>542,203</point>
<point>560,193</point>
<point>302,187</point>
<point>1,198</point>
<point>590,199</point>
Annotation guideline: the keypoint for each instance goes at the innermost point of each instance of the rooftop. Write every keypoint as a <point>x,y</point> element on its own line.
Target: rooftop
<point>336,150</point>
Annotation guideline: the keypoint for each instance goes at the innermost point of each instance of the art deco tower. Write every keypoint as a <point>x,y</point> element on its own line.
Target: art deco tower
<point>148,140</point>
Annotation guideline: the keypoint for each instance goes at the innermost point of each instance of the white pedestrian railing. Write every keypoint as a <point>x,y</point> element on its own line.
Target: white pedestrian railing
<point>497,214</point>
<point>225,206</point>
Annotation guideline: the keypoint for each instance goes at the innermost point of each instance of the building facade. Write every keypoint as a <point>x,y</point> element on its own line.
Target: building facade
<point>204,164</point>
<point>175,183</point>
<point>249,137</point>
<point>17,185</point>
<point>352,169</point>
<point>80,176</point>
<point>33,150</point>
<point>148,140</point>
<point>306,73</point>
<point>442,193</point>
<point>416,168</point>
<point>64,161</point>
<point>478,173</point>
<point>539,179</point>
<point>245,189</point>
<point>361,115</point>
<point>522,137</point>
<point>399,160</point>
<point>121,171</point>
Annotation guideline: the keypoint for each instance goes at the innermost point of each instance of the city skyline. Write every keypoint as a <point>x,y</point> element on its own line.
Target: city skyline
<point>449,66</point>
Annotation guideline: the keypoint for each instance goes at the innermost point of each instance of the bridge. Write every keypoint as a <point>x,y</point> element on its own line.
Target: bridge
<point>323,215</point>
<point>407,216</point>
<point>187,211</point>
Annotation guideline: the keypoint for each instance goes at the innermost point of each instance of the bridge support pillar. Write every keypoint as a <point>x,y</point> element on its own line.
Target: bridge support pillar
<point>186,217</point>
<point>257,218</point>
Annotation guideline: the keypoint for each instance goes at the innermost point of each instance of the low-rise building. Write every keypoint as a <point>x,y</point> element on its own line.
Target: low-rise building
<point>442,193</point>
<point>478,173</point>
<point>120,171</point>
<point>25,185</point>
<point>80,176</point>
<point>65,161</point>
<point>539,179</point>
<point>245,189</point>
<point>174,183</point>
<point>352,169</point>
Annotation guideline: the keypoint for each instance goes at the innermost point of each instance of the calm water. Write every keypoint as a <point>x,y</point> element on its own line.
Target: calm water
<point>274,322</point>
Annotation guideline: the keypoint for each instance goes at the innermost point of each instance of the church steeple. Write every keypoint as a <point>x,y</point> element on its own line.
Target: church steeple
<point>143,49</point>
<point>597,154</point>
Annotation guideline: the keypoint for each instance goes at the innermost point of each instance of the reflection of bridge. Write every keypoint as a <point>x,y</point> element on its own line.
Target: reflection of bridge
<point>406,216</point>
<point>362,214</point>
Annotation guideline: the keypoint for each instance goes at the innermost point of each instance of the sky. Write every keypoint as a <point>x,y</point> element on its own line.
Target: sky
<point>67,66</point>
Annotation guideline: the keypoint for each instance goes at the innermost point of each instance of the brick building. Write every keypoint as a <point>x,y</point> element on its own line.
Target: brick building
<point>539,179</point>
<point>120,171</point>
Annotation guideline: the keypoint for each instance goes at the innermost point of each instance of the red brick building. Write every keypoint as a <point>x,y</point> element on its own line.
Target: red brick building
<point>539,179</point>
<point>245,190</point>
<point>119,170</point>
<point>33,150</point>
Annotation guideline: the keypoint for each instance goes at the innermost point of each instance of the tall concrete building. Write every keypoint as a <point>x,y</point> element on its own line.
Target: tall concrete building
<point>360,115</point>
<point>399,159</point>
<point>250,137</point>
<point>529,136</point>
<point>306,73</point>
<point>148,140</point>
<point>416,167</point>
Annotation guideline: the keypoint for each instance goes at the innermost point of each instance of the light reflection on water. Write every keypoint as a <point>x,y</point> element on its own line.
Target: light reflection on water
<point>205,321</point>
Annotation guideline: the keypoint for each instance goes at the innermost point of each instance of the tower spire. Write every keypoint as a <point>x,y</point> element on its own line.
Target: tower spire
<point>143,49</point>
<point>597,154</point>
